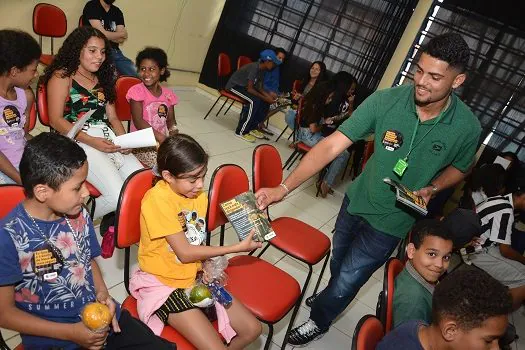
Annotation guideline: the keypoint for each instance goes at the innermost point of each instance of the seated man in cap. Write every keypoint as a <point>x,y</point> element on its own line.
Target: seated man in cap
<point>247,83</point>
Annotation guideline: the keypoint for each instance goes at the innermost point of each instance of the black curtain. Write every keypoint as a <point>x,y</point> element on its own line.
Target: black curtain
<point>358,36</point>
<point>495,86</point>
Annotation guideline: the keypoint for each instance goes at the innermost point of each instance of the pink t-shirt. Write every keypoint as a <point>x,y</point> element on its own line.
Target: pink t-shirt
<point>154,109</point>
<point>12,121</point>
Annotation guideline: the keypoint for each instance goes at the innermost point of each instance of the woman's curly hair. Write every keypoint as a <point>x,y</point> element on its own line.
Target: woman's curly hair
<point>68,60</point>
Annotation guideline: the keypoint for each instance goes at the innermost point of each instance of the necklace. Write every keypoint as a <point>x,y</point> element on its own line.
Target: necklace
<point>53,247</point>
<point>88,78</point>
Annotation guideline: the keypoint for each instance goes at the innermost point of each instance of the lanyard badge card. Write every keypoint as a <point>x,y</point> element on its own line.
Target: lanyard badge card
<point>400,167</point>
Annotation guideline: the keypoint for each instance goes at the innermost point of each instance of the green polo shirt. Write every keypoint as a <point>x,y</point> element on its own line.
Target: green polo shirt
<point>391,115</point>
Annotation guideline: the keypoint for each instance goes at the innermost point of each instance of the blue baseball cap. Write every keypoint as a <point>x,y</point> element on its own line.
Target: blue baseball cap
<point>269,55</point>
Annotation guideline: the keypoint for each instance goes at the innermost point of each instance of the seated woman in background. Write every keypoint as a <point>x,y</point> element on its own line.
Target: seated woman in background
<point>82,78</point>
<point>327,103</point>
<point>316,74</point>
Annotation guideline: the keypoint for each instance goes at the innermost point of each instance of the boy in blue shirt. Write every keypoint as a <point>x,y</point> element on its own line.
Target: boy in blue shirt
<point>48,271</point>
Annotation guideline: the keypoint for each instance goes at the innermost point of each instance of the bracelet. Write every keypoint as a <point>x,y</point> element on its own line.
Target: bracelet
<point>285,188</point>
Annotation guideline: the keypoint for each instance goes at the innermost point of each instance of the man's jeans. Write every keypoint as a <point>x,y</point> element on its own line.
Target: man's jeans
<point>358,250</point>
<point>123,64</point>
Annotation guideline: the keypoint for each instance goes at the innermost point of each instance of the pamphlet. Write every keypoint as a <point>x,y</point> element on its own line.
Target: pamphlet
<point>79,124</point>
<point>407,197</point>
<point>136,139</point>
<point>244,216</point>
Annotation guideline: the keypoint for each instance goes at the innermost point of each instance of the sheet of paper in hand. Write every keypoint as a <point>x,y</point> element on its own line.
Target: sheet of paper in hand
<point>244,216</point>
<point>407,197</point>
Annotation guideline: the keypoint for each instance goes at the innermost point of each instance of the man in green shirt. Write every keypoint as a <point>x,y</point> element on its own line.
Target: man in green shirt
<point>429,256</point>
<point>425,138</point>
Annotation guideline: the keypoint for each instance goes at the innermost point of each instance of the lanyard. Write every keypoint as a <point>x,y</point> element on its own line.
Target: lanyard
<point>412,146</point>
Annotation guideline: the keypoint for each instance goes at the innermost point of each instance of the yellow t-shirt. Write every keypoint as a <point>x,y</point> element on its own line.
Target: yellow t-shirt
<point>162,213</point>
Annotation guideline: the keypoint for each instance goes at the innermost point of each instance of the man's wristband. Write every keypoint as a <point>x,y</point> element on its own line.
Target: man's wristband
<point>435,189</point>
<point>285,188</point>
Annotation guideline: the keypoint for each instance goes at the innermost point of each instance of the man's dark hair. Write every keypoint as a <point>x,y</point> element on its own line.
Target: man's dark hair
<point>429,227</point>
<point>49,159</point>
<point>470,296</point>
<point>451,48</point>
<point>281,50</point>
<point>490,178</point>
<point>18,49</point>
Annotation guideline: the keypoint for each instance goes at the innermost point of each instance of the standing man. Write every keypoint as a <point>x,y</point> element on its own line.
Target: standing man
<point>108,18</point>
<point>425,137</point>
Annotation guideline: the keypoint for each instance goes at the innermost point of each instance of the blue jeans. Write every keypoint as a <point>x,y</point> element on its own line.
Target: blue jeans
<point>289,118</point>
<point>124,65</point>
<point>358,250</point>
<point>336,166</point>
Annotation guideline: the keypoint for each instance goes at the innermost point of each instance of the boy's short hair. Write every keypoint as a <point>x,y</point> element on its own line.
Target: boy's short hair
<point>470,296</point>
<point>49,159</point>
<point>18,48</point>
<point>464,225</point>
<point>429,227</point>
<point>451,48</point>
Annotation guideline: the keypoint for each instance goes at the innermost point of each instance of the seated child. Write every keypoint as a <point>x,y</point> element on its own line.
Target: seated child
<point>20,54</point>
<point>429,256</point>
<point>43,300</point>
<point>469,311</point>
<point>151,103</point>
<point>247,83</point>
<point>170,250</point>
<point>498,258</point>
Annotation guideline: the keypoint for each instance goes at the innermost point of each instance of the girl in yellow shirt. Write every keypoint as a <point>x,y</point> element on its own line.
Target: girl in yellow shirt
<point>171,244</point>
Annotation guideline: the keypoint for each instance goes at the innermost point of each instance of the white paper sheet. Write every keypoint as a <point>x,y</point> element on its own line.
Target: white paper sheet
<point>136,139</point>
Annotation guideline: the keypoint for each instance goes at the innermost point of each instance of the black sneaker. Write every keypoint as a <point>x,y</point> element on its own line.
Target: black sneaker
<point>310,300</point>
<point>305,333</point>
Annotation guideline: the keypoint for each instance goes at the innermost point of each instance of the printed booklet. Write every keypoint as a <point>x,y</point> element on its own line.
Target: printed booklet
<point>407,197</point>
<point>244,215</point>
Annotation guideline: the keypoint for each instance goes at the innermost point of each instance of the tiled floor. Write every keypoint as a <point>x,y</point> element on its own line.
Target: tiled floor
<point>216,135</point>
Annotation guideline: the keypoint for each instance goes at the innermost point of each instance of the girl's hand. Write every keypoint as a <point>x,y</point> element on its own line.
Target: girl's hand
<point>103,297</point>
<point>125,150</point>
<point>103,145</point>
<point>248,244</point>
<point>86,338</point>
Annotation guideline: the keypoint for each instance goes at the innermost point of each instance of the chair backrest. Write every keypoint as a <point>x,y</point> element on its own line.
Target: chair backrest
<point>124,83</point>
<point>49,20</point>
<point>127,223</point>
<point>41,102</point>
<point>32,117</point>
<point>393,267</point>
<point>266,167</point>
<point>296,85</point>
<point>242,61</point>
<point>11,195</point>
<point>81,21</point>
<point>368,333</point>
<point>369,150</point>
<point>224,67</point>
<point>227,181</point>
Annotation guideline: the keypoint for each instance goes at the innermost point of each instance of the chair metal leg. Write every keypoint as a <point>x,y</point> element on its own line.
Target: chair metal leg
<point>220,109</point>
<point>264,249</point>
<point>295,159</point>
<point>269,338</point>
<point>322,272</point>
<point>231,104</point>
<point>296,308</point>
<point>93,206</point>
<point>285,128</point>
<point>217,100</point>
<point>292,134</point>
<point>289,159</point>
<point>222,236</point>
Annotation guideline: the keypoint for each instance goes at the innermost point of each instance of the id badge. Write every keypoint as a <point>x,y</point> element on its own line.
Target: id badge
<point>400,167</point>
<point>46,264</point>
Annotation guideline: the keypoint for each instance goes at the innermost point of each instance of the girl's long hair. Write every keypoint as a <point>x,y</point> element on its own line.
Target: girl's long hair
<point>67,60</point>
<point>322,74</point>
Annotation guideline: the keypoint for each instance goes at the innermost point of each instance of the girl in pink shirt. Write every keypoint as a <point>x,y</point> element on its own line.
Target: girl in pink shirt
<point>151,104</point>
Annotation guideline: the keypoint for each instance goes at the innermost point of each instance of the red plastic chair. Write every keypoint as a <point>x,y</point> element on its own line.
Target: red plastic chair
<point>127,233</point>
<point>124,83</point>
<point>268,292</point>
<point>224,69</point>
<point>32,117</point>
<point>43,116</point>
<point>49,20</point>
<point>368,333</point>
<point>81,21</point>
<point>385,302</point>
<point>242,61</point>
<point>300,148</point>
<point>296,86</point>
<point>294,237</point>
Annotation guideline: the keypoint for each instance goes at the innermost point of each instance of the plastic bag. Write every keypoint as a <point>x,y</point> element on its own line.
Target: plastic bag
<point>210,286</point>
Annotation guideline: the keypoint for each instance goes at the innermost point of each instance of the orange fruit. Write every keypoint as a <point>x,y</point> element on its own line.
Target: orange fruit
<point>96,316</point>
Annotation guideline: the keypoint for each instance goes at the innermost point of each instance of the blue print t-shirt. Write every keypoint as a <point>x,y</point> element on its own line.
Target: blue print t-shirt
<point>57,298</point>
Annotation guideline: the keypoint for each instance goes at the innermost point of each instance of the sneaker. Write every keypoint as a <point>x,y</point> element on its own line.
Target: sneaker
<point>266,131</point>
<point>310,300</point>
<point>246,137</point>
<point>257,134</point>
<point>305,333</point>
